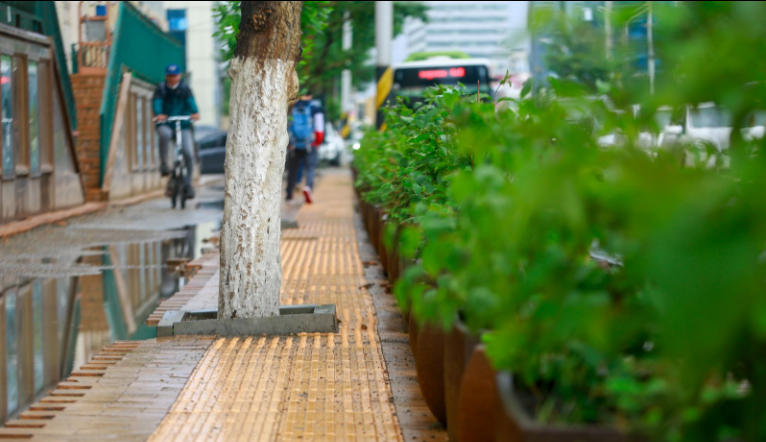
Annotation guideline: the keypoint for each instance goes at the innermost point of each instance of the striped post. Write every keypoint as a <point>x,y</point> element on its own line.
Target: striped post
<point>384,27</point>
<point>385,78</point>
<point>345,127</point>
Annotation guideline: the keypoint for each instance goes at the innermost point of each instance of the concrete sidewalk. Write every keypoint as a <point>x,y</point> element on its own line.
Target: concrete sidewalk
<point>61,216</point>
<point>356,385</point>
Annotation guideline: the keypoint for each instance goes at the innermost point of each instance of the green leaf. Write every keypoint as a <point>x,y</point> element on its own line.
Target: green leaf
<point>526,88</point>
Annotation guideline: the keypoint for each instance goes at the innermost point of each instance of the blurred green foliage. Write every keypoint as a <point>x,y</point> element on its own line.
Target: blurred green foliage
<point>420,56</point>
<point>323,58</point>
<point>622,283</point>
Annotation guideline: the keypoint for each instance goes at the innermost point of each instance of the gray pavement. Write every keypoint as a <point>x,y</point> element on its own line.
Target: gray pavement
<point>52,250</point>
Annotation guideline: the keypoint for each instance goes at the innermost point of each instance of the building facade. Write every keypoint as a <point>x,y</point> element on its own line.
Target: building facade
<point>192,23</point>
<point>69,19</point>
<point>40,172</point>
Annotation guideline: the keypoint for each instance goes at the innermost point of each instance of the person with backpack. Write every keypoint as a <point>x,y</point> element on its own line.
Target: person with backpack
<point>306,132</point>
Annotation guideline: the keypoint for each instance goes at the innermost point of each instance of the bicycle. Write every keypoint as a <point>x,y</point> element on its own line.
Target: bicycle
<point>175,188</point>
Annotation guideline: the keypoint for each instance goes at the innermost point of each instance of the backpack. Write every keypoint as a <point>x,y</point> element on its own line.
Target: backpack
<point>168,96</point>
<point>302,126</point>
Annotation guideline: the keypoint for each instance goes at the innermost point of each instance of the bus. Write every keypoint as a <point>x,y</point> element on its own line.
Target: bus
<point>413,77</point>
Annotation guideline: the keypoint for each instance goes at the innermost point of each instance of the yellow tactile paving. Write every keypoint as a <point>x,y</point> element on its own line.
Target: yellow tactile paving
<point>307,387</point>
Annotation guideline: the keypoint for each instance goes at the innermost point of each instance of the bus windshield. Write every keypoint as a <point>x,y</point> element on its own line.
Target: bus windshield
<point>413,81</point>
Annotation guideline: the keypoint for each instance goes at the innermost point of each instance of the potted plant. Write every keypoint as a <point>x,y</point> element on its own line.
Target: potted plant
<point>513,421</point>
<point>459,347</point>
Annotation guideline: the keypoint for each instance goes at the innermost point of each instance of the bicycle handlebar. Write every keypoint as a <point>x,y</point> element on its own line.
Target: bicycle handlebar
<point>173,119</point>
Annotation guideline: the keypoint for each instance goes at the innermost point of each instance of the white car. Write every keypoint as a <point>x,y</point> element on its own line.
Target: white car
<point>331,150</point>
<point>757,123</point>
<point>706,123</point>
<point>647,139</point>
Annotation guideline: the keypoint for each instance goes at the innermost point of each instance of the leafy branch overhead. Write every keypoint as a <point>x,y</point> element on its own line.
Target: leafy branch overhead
<point>323,57</point>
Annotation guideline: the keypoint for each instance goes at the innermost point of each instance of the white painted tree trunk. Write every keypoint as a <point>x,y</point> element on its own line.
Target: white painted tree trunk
<point>262,87</point>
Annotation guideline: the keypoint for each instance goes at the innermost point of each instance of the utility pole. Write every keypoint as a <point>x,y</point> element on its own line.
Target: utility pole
<point>650,43</point>
<point>608,28</point>
<point>346,105</point>
<point>384,30</point>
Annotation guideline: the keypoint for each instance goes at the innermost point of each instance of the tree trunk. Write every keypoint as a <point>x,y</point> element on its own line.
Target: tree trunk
<point>263,85</point>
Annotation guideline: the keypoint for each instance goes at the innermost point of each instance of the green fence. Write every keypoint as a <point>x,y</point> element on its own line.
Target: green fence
<point>138,46</point>
<point>28,7</point>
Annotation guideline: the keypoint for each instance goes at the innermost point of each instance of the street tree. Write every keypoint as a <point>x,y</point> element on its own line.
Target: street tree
<point>263,84</point>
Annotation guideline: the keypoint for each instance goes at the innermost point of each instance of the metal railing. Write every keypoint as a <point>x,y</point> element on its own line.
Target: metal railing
<point>92,57</point>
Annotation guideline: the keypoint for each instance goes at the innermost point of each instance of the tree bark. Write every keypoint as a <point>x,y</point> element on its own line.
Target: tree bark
<point>264,84</point>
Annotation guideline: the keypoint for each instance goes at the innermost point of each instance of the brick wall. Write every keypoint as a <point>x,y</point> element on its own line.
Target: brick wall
<point>88,92</point>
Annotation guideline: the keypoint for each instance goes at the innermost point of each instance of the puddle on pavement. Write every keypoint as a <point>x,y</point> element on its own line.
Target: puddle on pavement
<point>57,311</point>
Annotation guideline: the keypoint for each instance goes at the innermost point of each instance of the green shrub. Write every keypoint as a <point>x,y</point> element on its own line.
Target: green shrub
<point>408,163</point>
<point>619,286</point>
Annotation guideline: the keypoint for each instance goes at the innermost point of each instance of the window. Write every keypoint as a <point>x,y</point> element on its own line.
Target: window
<point>18,79</point>
<point>711,117</point>
<point>6,124</point>
<point>139,132</point>
<point>177,20</point>
<point>45,113</point>
<point>130,133</point>
<point>148,159</point>
<point>177,24</point>
<point>34,117</point>
<point>151,146</point>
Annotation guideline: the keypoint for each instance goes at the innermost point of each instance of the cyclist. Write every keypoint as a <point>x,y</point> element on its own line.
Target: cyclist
<point>306,134</point>
<point>174,98</point>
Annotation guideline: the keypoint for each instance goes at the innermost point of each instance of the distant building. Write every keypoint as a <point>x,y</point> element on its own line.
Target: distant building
<point>483,29</point>
<point>193,24</point>
<point>68,13</point>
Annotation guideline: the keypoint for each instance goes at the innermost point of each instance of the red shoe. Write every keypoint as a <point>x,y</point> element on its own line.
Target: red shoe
<point>307,195</point>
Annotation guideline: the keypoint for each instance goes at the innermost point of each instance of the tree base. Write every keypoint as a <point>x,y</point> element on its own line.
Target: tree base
<point>292,319</point>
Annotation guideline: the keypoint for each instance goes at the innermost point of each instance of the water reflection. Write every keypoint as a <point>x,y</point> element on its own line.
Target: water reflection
<point>52,326</point>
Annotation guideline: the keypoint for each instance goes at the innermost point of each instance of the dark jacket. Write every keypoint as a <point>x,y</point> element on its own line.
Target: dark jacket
<point>174,102</point>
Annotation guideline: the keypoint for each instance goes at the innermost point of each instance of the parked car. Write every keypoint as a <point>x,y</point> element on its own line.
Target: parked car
<point>331,150</point>
<point>757,126</point>
<point>649,138</point>
<point>211,145</point>
<point>706,124</point>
